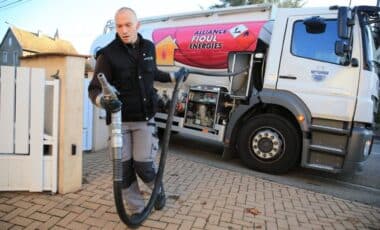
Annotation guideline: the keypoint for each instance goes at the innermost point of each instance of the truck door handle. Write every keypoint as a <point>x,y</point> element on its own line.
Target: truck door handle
<point>288,77</point>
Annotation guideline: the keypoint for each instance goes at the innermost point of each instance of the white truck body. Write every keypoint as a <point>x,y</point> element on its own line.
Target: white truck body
<point>298,102</point>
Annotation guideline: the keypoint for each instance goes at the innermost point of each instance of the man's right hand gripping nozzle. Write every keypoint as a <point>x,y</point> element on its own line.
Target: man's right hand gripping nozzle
<point>108,98</point>
<point>112,105</point>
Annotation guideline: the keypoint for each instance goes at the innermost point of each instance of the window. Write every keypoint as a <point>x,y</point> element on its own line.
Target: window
<point>15,58</point>
<point>10,42</point>
<point>320,47</point>
<point>5,57</point>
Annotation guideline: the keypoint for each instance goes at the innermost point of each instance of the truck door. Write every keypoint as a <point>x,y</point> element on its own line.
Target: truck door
<point>310,69</point>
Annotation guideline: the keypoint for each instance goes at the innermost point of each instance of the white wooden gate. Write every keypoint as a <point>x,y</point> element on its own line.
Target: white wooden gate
<point>28,130</point>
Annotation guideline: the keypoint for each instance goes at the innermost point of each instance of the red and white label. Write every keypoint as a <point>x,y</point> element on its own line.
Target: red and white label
<point>205,46</point>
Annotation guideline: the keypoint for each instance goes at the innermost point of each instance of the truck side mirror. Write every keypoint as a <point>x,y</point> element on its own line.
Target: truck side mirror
<point>344,21</point>
<point>341,48</point>
<point>315,25</point>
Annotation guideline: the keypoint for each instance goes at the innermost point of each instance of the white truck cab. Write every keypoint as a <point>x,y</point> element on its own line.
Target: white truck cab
<point>302,85</point>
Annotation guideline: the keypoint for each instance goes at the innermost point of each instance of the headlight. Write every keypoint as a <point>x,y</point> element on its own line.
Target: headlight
<point>367,148</point>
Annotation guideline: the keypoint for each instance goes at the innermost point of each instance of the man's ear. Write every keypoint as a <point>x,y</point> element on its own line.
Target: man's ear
<point>138,26</point>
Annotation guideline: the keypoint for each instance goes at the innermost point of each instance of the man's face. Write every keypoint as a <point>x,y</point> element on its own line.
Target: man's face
<point>127,26</point>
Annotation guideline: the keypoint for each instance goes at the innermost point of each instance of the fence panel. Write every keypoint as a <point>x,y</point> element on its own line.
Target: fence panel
<point>7,97</point>
<point>22,111</point>
<point>29,130</point>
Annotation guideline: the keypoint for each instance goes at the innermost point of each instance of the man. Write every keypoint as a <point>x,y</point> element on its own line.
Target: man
<point>128,63</point>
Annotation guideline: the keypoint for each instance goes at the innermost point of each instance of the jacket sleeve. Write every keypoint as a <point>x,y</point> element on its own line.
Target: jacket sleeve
<point>159,75</point>
<point>95,89</point>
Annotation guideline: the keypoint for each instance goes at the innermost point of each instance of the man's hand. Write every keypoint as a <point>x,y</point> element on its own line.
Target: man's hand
<point>110,105</point>
<point>181,72</point>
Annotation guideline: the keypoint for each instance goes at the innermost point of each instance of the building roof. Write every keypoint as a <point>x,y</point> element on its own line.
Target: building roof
<point>33,42</point>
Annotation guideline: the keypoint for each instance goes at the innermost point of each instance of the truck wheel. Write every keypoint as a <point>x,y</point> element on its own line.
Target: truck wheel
<point>269,143</point>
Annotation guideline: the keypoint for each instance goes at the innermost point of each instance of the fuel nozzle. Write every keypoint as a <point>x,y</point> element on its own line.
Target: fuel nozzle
<point>108,90</point>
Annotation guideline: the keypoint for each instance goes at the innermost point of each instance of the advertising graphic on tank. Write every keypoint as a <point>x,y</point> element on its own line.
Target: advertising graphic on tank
<point>205,46</point>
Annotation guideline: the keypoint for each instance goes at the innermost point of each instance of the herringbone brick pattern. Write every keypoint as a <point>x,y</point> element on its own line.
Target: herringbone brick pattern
<point>199,197</point>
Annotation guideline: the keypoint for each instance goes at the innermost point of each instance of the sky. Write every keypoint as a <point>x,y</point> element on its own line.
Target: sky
<point>81,21</point>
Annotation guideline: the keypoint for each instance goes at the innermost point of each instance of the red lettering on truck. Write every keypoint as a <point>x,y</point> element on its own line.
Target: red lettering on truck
<point>205,46</point>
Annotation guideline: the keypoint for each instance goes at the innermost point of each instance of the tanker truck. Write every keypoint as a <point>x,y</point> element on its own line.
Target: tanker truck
<point>278,87</point>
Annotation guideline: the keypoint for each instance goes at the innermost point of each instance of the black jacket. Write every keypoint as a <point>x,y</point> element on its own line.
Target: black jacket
<point>131,70</point>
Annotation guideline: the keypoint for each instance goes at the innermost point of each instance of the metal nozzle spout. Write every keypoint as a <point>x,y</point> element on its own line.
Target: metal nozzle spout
<point>108,90</point>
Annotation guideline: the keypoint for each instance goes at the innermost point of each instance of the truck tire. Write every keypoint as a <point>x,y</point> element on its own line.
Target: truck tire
<point>269,143</point>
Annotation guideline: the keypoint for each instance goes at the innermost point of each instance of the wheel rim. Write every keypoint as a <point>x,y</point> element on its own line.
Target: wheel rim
<point>267,144</point>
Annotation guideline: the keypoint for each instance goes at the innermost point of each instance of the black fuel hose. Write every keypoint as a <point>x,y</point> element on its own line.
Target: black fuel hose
<point>135,220</point>
<point>216,74</point>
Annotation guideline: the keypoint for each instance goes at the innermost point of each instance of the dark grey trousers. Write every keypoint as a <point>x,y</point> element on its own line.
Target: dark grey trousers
<point>140,146</point>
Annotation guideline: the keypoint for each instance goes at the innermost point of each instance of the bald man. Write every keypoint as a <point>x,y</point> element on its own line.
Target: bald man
<point>129,64</point>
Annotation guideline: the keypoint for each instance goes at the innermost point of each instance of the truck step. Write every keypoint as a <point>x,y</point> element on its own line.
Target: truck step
<point>325,149</point>
<point>331,130</point>
<point>323,168</point>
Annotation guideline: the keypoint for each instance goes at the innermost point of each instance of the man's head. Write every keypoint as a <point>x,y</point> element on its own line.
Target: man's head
<point>126,25</point>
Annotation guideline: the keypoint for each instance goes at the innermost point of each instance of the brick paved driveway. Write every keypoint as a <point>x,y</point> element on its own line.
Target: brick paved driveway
<point>199,197</point>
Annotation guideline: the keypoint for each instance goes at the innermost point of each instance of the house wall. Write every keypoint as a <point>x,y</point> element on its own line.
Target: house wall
<point>99,128</point>
<point>11,47</point>
<point>51,64</point>
<point>71,75</point>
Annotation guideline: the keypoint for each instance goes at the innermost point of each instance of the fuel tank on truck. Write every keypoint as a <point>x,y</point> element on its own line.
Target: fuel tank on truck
<point>202,40</point>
